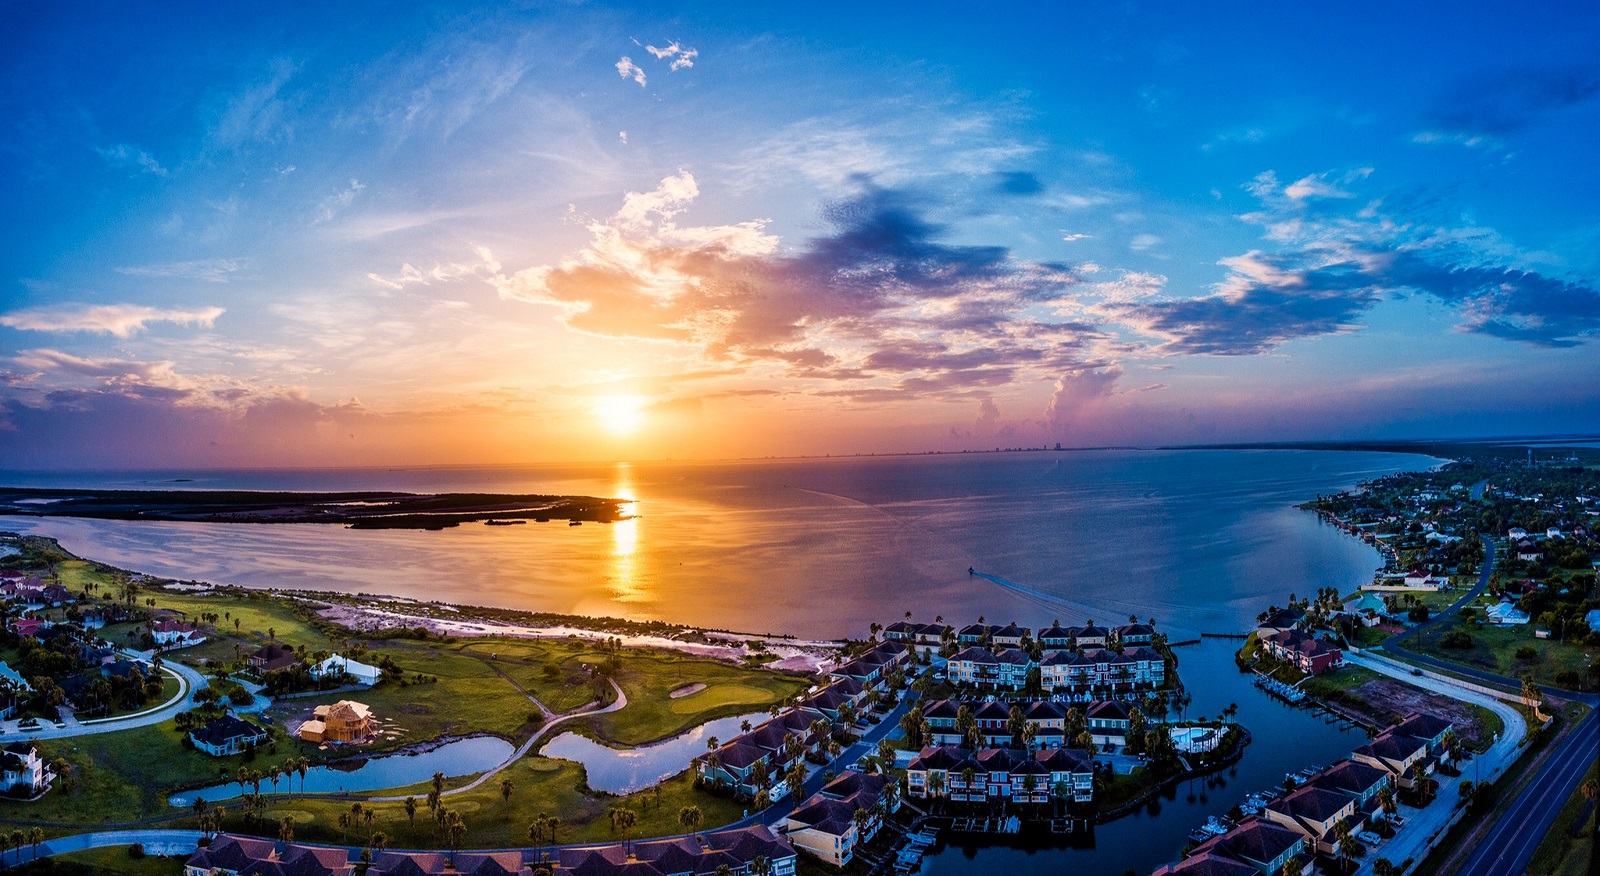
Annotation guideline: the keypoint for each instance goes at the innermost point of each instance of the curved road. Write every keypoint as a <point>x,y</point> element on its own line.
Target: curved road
<point>189,683</point>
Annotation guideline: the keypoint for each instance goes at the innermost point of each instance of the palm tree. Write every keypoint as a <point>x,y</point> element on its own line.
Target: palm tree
<point>691,817</point>
<point>411,811</point>
<point>35,837</point>
<point>1384,867</point>
<point>455,829</point>
<point>505,794</point>
<point>286,829</point>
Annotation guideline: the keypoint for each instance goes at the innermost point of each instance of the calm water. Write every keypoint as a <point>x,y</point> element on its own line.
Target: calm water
<point>461,757</point>
<point>625,770</point>
<point>1198,539</point>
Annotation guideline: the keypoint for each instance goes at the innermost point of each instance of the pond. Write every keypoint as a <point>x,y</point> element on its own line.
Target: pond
<point>625,770</point>
<point>460,757</point>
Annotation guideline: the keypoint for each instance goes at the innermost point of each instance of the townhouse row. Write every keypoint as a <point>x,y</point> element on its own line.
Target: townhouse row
<point>1096,671</point>
<point>1052,638</point>
<point>1001,774</point>
<point>1106,721</point>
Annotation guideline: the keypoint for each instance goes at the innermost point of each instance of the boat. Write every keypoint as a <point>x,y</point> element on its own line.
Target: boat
<point>503,522</point>
<point>574,522</point>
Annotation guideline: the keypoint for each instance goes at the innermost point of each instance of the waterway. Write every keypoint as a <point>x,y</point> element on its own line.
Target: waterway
<point>459,757</point>
<point>625,770</point>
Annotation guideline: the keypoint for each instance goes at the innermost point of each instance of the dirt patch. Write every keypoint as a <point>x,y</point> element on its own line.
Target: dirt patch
<point>1388,702</point>
<point>687,689</point>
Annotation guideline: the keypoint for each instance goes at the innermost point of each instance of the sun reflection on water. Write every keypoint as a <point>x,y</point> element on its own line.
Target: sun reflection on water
<point>626,581</point>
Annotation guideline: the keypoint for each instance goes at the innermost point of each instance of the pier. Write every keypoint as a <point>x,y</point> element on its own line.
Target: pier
<point>1278,689</point>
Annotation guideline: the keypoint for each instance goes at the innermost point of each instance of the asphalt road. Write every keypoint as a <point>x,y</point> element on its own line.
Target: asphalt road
<point>1509,846</point>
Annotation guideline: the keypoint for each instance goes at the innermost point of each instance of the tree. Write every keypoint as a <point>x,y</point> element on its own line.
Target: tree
<point>411,811</point>
<point>505,794</point>
<point>286,829</point>
<point>455,830</point>
<point>1384,867</point>
<point>691,817</point>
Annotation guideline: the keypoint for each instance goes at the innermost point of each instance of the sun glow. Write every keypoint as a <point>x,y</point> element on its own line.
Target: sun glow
<point>620,414</point>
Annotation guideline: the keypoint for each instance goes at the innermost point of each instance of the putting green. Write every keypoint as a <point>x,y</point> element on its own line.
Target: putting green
<point>719,695</point>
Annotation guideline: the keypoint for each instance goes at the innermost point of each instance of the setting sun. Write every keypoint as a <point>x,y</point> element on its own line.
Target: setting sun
<point>620,414</point>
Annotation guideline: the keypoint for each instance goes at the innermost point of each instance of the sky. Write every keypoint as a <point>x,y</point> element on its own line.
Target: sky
<point>368,234</point>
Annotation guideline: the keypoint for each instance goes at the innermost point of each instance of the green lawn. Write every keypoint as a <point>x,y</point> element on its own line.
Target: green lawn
<point>540,785</point>
<point>1495,648</point>
<point>112,861</point>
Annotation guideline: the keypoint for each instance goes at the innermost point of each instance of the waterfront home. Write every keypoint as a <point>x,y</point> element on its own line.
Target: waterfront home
<point>990,670</point>
<point>1102,670</point>
<point>826,825</point>
<point>1280,621</point>
<point>1134,634</point>
<point>1056,638</point>
<point>1428,728</point>
<point>176,634</point>
<point>22,770</point>
<point>871,667</point>
<point>235,855</point>
<point>340,665</point>
<point>1108,722</point>
<point>1360,781</point>
<point>1314,813</point>
<point>1208,864</point>
<point>1264,845</point>
<point>831,699</point>
<point>766,752</point>
<point>227,735</point>
<point>1404,757</point>
<point>976,634</point>
<point>738,849</point>
<point>921,634</point>
<point>344,721</point>
<point>1090,636</point>
<point>1001,774</point>
<point>273,657</point>
<point>1010,636</point>
<point>1303,651</point>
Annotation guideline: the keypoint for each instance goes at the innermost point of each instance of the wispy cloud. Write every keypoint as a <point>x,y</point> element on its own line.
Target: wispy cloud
<point>119,320</point>
<point>629,70</point>
<point>441,272</point>
<point>335,203</point>
<point>208,270</point>
<point>125,155</point>
<point>677,55</point>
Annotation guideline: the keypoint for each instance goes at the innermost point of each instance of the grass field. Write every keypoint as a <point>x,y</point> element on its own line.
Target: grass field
<point>111,861</point>
<point>539,785</point>
<point>1495,648</point>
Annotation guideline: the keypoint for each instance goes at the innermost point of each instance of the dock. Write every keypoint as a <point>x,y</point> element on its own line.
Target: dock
<point>1279,689</point>
<point>1012,824</point>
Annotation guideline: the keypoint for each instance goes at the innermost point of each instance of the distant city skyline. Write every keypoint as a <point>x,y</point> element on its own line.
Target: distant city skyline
<point>406,235</point>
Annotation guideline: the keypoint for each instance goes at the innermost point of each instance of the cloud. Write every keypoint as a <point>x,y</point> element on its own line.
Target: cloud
<point>332,205</point>
<point>124,155</point>
<point>120,320</point>
<point>988,417</point>
<point>1072,237</point>
<point>629,70</point>
<point>441,272</point>
<point>209,270</point>
<point>678,56</point>
<point>1142,242</point>
<point>1491,106</point>
<point>880,295</point>
<point>1077,394</point>
<point>258,112</point>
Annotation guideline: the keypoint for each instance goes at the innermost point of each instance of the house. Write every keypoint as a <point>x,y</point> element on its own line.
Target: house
<point>1405,758</point>
<point>1108,722</point>
<point>921,634</point>
<point>738,849</point>
<point>1135,634</point>
<point>22,770</point>
<point>176,634</point>
<point>826,825</point>
<point>1428,728</point>
<point>976,634</point>
<point>1506,613</point>
<point>1208,864</point>
<point>1056,638</point>
<point>975,666</point>
<point>1529,551</point>
<point>1263,844</point>
<point>1360,781</point>
<point>28,627</point>
<point>439,864</point>
<point>1010,636</point>
<point>340,665</point>
<point>344,721</point>
<point>1314,813</point>
<point>273,657</point>
<point>227,735</point>
<point>1091,636</point>
<point>1303,651</point>
<point>234,855</point>
<point>1280,621</point>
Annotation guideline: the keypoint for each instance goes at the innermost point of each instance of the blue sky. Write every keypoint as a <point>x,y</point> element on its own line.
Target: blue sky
<point>255,236</point>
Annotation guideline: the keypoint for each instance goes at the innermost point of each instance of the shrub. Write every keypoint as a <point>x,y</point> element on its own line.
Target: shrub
<point>1526,652</point>
<point>136,851</point>
<point>1457,639</point>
